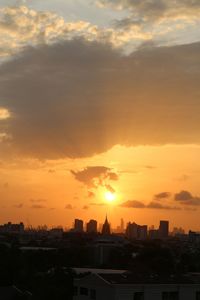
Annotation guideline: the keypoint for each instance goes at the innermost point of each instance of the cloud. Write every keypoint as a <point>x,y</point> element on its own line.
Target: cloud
<point>153,205</point>
<point>185,197</point>
<point>38,200</point>
<point>95,176</point>
<point>113,176</point>
<point>68,206</point>
<point>156,10</point>
<point>91,194</point>
<point>150,167</point>
<point>37,206</point>
<point>163,195</point>
<point>85,207</point>
<point>158,18</point>
<point>110,188</point>
<point>21,26</point>
<point>78,98</point>
<point>133,204</point>
<point>156,205</point>
<point>4,114</point>
<point>20,205</point>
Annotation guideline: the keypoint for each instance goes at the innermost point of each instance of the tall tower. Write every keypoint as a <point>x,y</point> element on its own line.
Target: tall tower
<point>78,225</point>
<point>91,226</point>
<point>122,225</point>
<point>106,227</point>
<point>164,229</point>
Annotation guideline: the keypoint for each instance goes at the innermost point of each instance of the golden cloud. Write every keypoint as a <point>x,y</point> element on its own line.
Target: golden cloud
<point>4,113</point>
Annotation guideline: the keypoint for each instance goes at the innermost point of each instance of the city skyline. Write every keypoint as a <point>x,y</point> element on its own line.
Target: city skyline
<point>99,111</point>
<point>93,226</point>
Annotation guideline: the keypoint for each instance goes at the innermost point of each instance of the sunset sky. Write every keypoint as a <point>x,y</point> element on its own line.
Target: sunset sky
<point>100,101</point>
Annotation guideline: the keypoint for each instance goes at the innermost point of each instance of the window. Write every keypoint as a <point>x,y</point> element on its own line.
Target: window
<point>138,296</point>
<point>93,294</point>
<point>83,291</point>
<point>170,296</point>
<point>198,295</point>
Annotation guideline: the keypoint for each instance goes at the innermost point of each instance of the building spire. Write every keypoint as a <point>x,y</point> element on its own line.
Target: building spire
<point>106,227</point>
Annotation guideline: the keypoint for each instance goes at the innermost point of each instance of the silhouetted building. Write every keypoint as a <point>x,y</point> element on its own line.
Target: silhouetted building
<point>154,234</point>
<point>142,232</point>
<point>78,225</point>
<point>104,246</point>
<point>56,232</point>
<point>164,229</point>
<point>135,231</point>
<point>178,231</point>
<point>122,225</point>
<point>194,237</point>
<point>12,228</point>
<point>132,230</point>
<point>106,227</point>
<point>91,226</point>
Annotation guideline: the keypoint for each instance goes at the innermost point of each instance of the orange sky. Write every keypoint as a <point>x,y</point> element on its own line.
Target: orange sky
<point>46,192</point>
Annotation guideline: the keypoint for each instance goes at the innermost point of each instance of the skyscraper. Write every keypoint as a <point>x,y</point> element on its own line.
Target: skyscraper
<point>135,231</point>
<point>78,225</point>
<point>122,225</point>
<point>91,226</point>
<point>106,227</point>
<point>164,229</point>
<point>132,230</point>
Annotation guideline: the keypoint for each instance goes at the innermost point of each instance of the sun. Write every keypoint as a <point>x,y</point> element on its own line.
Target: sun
<point>109,196</point>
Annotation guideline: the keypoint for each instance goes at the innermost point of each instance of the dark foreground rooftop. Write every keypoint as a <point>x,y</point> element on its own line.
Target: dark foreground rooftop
<point>130,278</point>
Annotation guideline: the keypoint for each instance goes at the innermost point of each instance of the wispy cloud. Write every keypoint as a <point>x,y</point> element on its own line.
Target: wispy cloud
<point>37,206</point>
<point>151,205</point>
<point>39,200</point>
<point>133,204</point>
<point>68,206</point>
<point>162,195</point>
<point>20,205</point>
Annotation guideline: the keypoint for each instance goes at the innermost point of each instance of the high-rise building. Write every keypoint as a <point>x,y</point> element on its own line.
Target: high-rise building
<point>142,232</point>
<point>78,225</point>
<point>91,226</point>
<point>132,230</point>
<point>106,227</point>
<point>153,234</point>
<point>135,231</point>
<point>122,225</point>
<point>164,229</point>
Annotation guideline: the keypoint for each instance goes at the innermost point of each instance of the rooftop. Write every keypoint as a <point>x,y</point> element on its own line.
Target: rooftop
<point>130,278</point>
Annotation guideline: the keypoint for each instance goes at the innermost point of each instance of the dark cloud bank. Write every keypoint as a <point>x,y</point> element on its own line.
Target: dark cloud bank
<point>78,98</point>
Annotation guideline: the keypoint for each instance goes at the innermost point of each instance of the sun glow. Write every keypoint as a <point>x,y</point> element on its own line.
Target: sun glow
<point>109,196</point>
